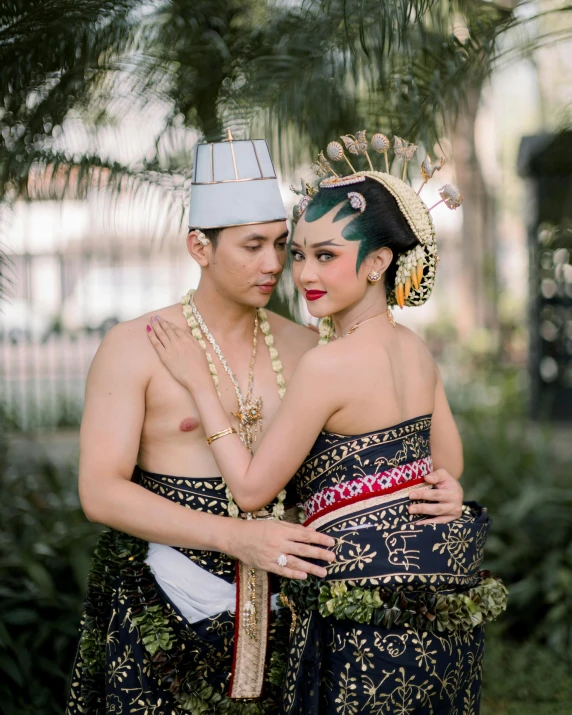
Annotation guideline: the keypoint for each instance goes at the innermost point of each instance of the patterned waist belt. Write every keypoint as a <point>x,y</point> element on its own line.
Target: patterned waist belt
<point>383,486</point>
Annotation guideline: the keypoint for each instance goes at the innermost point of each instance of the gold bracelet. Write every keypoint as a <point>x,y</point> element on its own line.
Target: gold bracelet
<point>222,433</point>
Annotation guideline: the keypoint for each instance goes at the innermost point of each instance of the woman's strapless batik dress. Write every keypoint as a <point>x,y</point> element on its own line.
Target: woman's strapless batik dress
<point>396,627</point>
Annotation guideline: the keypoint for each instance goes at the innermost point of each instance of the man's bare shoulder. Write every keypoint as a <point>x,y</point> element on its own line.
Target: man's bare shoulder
<point>292,336</point>
<point>127,346</point>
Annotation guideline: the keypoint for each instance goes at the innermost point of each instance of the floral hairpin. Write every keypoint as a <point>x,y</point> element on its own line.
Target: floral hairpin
<point>357,201</point>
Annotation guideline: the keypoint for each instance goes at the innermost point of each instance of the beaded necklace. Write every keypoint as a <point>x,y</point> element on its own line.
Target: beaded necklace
<point>249,410</point>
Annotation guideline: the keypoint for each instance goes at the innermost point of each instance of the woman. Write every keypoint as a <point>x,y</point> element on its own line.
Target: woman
<point>395,627</point>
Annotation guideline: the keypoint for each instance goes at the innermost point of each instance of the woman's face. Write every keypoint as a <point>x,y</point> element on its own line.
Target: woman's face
<point>324,266</point>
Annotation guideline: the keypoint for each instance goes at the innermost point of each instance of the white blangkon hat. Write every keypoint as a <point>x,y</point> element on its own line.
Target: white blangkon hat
<point>234,183</point>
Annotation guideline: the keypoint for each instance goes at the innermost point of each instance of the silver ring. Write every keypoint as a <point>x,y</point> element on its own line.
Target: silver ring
<point>282,560</point>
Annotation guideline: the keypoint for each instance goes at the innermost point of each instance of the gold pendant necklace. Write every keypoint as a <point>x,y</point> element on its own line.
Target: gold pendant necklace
<point>357,325</point>
<point>249,413</point>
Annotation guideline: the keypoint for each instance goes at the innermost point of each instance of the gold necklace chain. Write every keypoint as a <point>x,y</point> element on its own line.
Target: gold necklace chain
<point>249,413</point>
<point>278,508</point>
<point>373,317</point>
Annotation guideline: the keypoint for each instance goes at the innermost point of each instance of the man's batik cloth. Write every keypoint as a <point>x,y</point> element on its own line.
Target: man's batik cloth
<point>137,653</point>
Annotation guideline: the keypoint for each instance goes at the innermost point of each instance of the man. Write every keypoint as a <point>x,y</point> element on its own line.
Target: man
<point>165,629</point>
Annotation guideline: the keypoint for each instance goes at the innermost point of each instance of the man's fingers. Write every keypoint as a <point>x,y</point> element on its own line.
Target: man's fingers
<point>309,536</point>
<point>300,565</point>
<point>291,573</point>
<point>430,494</point>
<point>432,509</point>
<point>436,520</point>
<point>311,552</point>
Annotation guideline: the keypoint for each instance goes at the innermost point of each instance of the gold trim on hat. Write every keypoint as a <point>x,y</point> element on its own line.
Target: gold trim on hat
<point>233,161</point>
<point>233,181</point>
<point>247,223</point>
<point>257,159</point>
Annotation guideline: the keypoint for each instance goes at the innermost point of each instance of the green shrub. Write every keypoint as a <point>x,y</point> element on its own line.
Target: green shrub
<point>45,548</point>
<point>524,678</point>
<point>514,468</point>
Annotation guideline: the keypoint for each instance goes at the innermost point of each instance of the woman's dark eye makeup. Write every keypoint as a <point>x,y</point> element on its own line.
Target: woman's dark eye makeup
<point>323,256</point>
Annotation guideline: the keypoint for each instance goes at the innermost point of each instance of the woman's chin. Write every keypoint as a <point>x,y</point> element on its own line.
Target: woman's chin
<point>317,311</point>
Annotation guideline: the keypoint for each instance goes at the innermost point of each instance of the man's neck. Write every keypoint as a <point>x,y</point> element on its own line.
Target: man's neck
<point>223,316</point>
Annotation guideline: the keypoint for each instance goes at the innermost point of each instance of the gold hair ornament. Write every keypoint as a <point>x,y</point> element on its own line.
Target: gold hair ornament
<point>415,274</point>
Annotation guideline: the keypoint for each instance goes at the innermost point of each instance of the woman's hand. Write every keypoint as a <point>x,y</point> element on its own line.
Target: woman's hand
<point>446,498</point>
<point>179,352</point>
<point>260,543</point>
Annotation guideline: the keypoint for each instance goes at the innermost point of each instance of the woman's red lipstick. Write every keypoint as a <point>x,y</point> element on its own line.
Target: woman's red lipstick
<point>314,294</point>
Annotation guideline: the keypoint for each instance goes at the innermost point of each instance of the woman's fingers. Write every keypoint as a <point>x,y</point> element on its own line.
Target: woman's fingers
<point>159,330</point>
<point>170,328</point>
<point>155,342</point>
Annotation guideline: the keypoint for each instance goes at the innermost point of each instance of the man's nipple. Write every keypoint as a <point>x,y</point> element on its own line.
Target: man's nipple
<point>189,424</point>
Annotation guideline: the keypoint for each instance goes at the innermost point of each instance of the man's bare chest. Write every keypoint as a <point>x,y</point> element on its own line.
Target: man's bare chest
<point>170,411</point>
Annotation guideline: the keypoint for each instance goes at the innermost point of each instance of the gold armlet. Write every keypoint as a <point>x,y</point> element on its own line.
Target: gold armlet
<point>218,435</point>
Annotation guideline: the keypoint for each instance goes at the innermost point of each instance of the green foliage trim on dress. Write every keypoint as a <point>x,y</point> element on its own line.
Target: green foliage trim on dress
<point>383,607</point>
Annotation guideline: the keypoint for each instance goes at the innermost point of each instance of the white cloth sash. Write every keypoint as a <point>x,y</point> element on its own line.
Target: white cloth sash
<point>197,593</point>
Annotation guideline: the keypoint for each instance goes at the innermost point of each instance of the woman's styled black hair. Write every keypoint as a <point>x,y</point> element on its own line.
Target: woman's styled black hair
<point>381,224</point>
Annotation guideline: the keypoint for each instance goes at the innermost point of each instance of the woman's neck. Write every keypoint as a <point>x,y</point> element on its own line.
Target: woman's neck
<point>367,308</point>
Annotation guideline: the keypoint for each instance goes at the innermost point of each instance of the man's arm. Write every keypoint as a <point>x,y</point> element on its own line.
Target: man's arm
<point>109,443</point>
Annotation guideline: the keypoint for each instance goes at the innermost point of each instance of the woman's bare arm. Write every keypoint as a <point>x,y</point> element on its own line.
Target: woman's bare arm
<point>446,445</point>
<point>309,402</point>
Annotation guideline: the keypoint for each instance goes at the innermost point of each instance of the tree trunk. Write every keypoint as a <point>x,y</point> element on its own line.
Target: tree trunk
<point>477,277</point>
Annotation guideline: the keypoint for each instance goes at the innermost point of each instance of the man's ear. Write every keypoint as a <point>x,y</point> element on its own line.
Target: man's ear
<point>199,247</point>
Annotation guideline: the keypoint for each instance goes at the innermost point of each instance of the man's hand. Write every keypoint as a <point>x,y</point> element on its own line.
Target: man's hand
<point>446,498</point>
<point>260,543</point>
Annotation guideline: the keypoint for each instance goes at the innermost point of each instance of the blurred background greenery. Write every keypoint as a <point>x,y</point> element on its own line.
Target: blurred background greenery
<point>101,105</point>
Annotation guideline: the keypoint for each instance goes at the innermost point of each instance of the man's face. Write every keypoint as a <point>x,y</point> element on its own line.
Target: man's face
<point>248,261</point>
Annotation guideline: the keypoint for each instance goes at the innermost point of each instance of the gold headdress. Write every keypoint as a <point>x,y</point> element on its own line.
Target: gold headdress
<point>416,268</point>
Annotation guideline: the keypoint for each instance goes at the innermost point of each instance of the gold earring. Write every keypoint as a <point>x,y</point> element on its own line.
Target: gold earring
<point>373,277</point>
<point>202,238</point>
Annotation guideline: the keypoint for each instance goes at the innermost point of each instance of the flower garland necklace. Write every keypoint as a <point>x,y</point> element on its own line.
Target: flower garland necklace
<point>249,412</point>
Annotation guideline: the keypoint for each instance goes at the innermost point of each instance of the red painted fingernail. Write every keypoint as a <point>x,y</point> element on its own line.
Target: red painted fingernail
<point>148,328</point>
